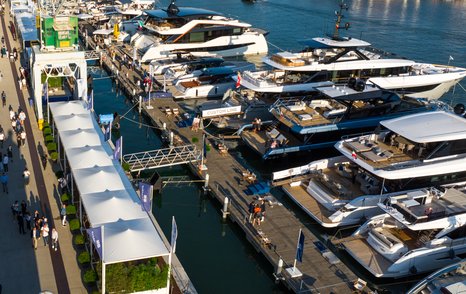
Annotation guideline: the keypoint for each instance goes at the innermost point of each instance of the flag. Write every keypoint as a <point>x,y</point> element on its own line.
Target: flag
<point>451,58</point>
<point>238,80</point>
<point>117,151</point>
<point>107,132</point>
<point>89,100</point>
<point>300,247</point>
<point>145,193</point>
<point>204,146</point>
<point>95,234</point>
<point>174,235</point>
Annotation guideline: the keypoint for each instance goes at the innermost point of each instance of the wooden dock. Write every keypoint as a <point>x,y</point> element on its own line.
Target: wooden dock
<point>276,238</point>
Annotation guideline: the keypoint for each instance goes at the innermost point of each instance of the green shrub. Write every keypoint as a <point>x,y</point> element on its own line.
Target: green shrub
<point>125,166</point>
<point>64,198</point>
<point>52,146</point>
<point>78,240</point>
<point>54,155</point>
<point>195,139</point>
<point>70,209</point>
<point>74,224</point>
<point>45,125</point>
<point>49,139</point>
<point>90,276</point>
<point>84,257</point>
<point>47,131</point>
<point>59,174</point>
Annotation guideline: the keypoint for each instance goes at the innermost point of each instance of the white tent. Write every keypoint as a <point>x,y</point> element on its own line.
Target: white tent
<point>131,240</point>
<point>79,138</point>
<point>67,108</point>
<point>111,206</point>
<point>74,121</point>
<point>87,157</point>
<point>99,179</point>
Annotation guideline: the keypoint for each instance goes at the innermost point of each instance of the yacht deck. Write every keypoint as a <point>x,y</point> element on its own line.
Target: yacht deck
<point>308,203</point>
<point>368,257</point>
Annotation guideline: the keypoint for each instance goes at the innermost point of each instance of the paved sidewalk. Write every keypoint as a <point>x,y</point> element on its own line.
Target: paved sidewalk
<point>23,269</point>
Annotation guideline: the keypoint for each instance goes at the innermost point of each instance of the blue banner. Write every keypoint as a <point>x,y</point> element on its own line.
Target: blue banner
<point>204,147</point>
<point>174,235</point>
<point>89,100</point>
<point>95,234</point>
<point>300,247</point>
<point>117,151</point>
<point>145,193</point>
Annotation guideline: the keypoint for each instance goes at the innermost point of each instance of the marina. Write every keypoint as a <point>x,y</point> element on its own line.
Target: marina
<point>371,182</point>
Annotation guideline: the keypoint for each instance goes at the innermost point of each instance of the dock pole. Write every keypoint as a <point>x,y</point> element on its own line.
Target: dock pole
<point>171,139</point>
<point>278,272</point>
<point>164,126</point>
<point>225,212</point>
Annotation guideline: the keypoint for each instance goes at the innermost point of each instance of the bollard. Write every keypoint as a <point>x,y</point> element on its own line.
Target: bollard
<point>225,208</point>
<point>164,125</point>
<point>140,104</point>
<point>206,188</point>
<point>171,139</point>
<point>278,272</point>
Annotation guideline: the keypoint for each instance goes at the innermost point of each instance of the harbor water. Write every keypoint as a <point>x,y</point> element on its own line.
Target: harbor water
<point>216,255</point>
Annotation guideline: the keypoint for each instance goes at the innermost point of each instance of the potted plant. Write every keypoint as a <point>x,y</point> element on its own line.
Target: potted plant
<point>47,131</point>
<point>84,257</point>
<point>52,146</point>
<point>65,198</point>
<point>49,139</point>
<point>70,210</point>
<point>54,155</point>
<point>89,276</point>
<point>75,225</point>
<point>78,240</point>
<point>125,166</point>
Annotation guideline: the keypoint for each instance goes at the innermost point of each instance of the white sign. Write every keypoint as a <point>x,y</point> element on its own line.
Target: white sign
<point>221,111</point>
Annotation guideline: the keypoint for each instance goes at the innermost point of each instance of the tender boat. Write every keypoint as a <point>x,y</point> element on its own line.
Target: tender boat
<point>450,279</point>
<point>413,152</point>
<point>165,32</point>
<point>319,121</point>
<point>339,58</point>
<point>419,232</point>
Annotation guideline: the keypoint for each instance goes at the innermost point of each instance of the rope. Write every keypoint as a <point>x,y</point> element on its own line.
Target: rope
<point>275,46</point>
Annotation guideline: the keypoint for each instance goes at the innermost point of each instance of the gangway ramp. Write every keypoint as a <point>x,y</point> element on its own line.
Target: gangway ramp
<point>162,157</point>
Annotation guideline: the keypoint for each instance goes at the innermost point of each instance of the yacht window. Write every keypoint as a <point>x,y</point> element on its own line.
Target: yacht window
<point>196,37</point>
<point>236,31</point>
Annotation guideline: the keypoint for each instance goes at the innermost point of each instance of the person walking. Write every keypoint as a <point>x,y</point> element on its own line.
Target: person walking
<point>24,207</point>
<point>18,140</point>
<point>4,181</point>
<point>5,162</point>
<point>35,236</point>
<point>27,219</point>
<point>45,233</point>
<point>63,214</point>
<point>62,182</point>
<point>2,137</point>
<point>15,209</point>
<point>9,151</point>
<point>3,98</point>
<point>23,137</point>
<point>20,220</point>
<point>54,239</point>
<point>26,176</point>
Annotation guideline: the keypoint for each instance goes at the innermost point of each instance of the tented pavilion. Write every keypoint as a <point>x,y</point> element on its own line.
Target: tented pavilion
<point>107,199</point>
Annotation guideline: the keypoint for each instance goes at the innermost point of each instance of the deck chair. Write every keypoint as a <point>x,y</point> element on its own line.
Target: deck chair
<point>176,111</point>
<point>359,284</point>
<point>168,111</point>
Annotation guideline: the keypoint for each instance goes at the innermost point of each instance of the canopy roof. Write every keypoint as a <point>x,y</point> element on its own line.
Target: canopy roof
<point>111,206</point>
<point>99,179</point>
<point>74,121</point>
<point>342,92</point>
<point>131,240</point>
<point>71,107</point>
<point>428,127</point>
<point>321,43</point>
<point>26,24</point>
<point>184,12</point>
<point>88,156</point>
<point>80,138</point>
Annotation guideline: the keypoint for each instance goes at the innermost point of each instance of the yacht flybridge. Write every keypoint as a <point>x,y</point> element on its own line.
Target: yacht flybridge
<point>419,232</point>
<point>413,151</point>
<point>176,30</point>
<point>338,59</point>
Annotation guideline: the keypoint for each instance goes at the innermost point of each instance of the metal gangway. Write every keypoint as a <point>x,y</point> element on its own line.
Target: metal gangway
<point>92,55</point>
<point>162,157</point>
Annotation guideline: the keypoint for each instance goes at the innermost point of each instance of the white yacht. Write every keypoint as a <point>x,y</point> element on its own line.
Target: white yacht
<point>418,232</point>
<point>450,279</point>
<point>338,59</point>
<point>412,152</point>
<point>166,32</point>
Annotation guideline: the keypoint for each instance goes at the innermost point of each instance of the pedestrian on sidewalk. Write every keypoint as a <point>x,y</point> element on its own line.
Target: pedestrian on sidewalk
<point>3,98</point>
<point>15,209</point>
<point>62,183</point>
<point>9,151</point>
<point>5,163</point>
<point>43,157</point>
<point>26,176</point>
<point>22,117</point>
<point>3,51</point>
<point>63,214</point>
<point>24,207</point>
<point>54,239</point>
<point>12,113</point>
<point>2,137</point>
<point>18,139</point>
<point>27,219</point>
<point>4,180</point>
<point>45,233</point>
<point>35,234</point>
<point>20,220</point>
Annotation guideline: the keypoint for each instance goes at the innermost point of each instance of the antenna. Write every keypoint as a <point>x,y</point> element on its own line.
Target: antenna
<point>339,15</point>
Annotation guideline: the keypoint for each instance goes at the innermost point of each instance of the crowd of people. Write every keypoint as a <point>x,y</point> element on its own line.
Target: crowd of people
<point>257,211</point>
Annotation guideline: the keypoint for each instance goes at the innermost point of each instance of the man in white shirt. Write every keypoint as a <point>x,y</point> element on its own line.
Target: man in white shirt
<point>54,239</point>
<point>45,234</point>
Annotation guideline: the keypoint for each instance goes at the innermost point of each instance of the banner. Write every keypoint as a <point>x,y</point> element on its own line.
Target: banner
<point>145,193</point>
<point>300,247</point>
<point>107,132</point>
<point>117,151</point>
<point>204,146</point>
<point>95,234</point>
<point>174,235</point>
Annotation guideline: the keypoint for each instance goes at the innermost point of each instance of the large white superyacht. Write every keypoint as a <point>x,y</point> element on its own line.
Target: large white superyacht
<point>408,153</point>
<point>175,30</point>
<point>337,59</point>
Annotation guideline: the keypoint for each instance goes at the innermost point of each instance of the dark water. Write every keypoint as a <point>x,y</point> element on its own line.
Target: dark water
<point>216,255</point>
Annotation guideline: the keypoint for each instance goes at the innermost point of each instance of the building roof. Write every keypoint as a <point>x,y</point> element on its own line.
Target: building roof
<point>428,127</point>
<point>184,12</point>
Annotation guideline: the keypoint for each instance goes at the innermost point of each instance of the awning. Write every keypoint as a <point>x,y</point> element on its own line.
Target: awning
<point>87,157</point>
